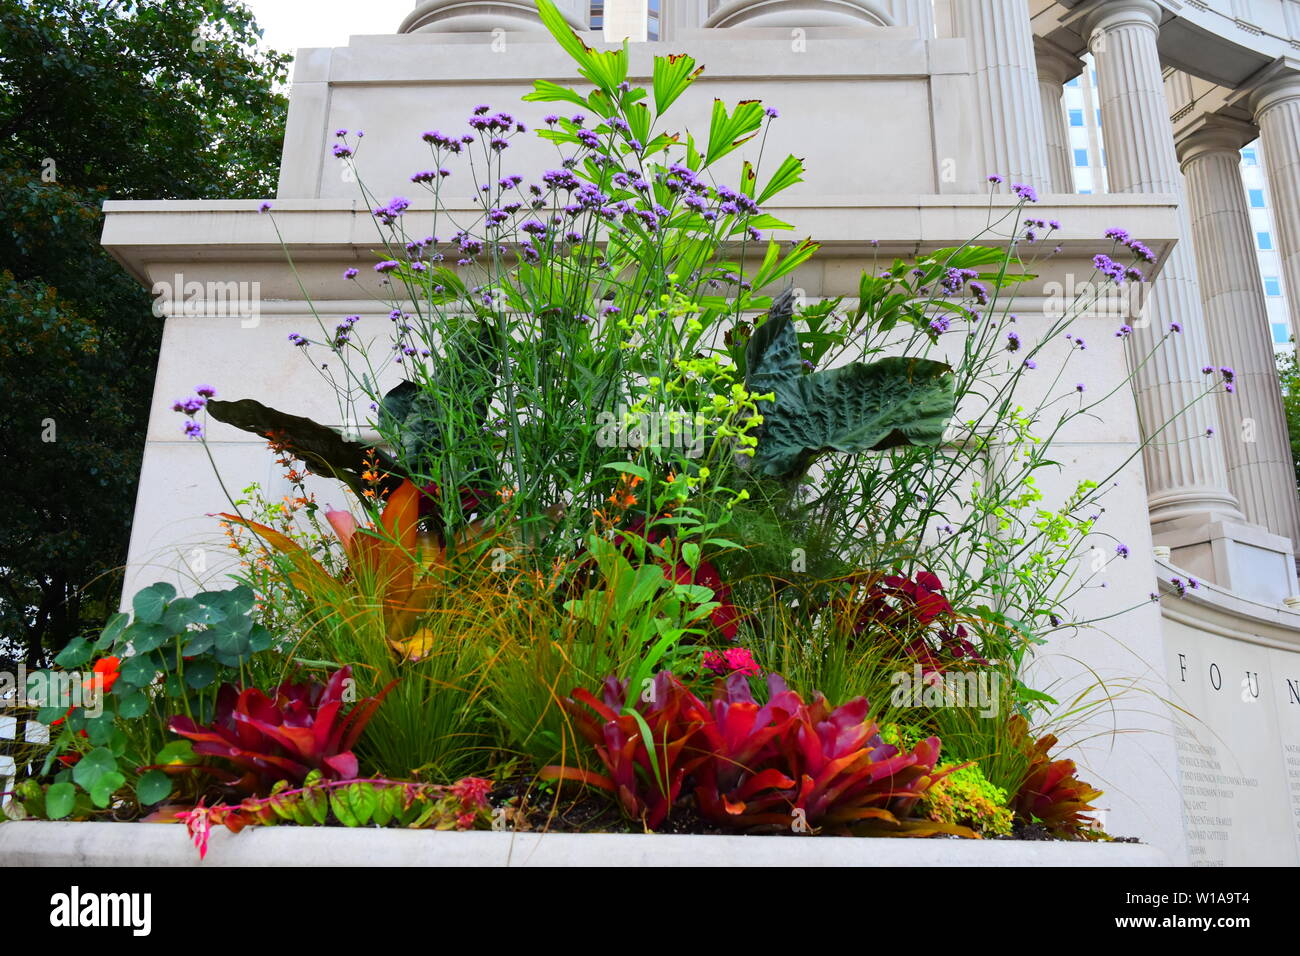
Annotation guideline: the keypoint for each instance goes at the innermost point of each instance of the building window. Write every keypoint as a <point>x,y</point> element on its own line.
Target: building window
<point>1099,116</point>
<point>1076,117</point>
<point>1256,198</point>
<point>596,18</point>
<point>1281,333</point>
<point>1081,157</point>
<point>1085,192</point>
<point>1103,157</point>
<point>1264,240</point>
<point>1073,81</point>
<point>1272,285</point>
<point>1250,157</point>
<point>1094,77</point>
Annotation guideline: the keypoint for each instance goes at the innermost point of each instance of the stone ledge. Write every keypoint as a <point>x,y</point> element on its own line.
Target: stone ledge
<point>134,844</point>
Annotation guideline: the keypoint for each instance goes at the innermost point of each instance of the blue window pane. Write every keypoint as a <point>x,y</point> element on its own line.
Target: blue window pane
<point>1256,198</point>
<point>1281,333</point>
<point>1081,157</point>
<point>1085,192</point>
<point>1076,117</point>
<point>1103,157</point>
<point>1272,285</point>
<point>1099,117</point>
<point>1250,157</point>
<point>1073,82</point>
<point>1264,239</point>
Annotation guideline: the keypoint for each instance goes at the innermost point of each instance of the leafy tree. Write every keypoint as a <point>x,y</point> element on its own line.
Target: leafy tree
<point>1288,372</point>
<point>100,99</point>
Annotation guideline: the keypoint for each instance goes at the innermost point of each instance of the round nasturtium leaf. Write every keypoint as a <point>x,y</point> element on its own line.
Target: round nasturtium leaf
<point>75,653</point>
<point>154,787</point>
<point>149,605</point>
<point>139,670</point>
<point>181,613</point>
<point>100,729</point>
<point>92,766</point>
<point>112,631</point>
<point>147,637</point>
<point>200,674</point>
<point>48,715</point>
<point>178,751</point>
<point>59,800</point>
<point>105,785</point>
<point>132,705</point>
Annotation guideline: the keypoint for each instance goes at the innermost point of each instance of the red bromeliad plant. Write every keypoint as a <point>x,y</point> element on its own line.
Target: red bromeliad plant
<point>789,760</point>
<point>303,728</point>
<point>771,765</point>
<point>646,781</point>
<point>1051,795</point>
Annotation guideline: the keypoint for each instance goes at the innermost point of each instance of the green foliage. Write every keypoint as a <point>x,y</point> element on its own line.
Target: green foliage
<point>850,408</point>
<point>1289,377</point>
<point>463,805</point>
<point>965,798</point>
<point>100,101</point>
<point>108,724</point>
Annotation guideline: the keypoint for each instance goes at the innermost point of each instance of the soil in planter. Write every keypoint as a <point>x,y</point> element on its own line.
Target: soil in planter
<point>571,809</point>
<point>581,810</point>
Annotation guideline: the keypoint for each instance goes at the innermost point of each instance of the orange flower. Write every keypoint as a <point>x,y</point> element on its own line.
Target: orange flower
<point>109,669</point>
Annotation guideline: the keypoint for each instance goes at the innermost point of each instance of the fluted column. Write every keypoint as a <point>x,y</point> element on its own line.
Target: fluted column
<point>1186,474</point>
<point>1056,66</point>
<point>484,16</point>
<point>677,16</point>
<point>1277,114</point>
<point>1006,86</point>
<point>1254,437</point>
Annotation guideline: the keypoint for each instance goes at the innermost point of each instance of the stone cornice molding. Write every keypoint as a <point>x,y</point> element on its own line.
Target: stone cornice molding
<point>1111,14</point>
<point>1211,133</point>
<point>1055,62</point>
<point>1279,83</point>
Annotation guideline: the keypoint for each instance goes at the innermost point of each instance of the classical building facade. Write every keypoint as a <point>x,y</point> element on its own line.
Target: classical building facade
<point>1199,750</point>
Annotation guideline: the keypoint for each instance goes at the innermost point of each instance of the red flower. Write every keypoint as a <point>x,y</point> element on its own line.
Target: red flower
<point>737,660</point>
<point>109,669</point>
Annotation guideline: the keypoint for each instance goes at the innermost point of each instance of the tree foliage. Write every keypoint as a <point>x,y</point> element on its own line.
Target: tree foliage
<point>155,99</point>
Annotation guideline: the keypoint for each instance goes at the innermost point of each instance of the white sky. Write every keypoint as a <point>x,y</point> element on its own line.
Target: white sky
<point>290,24</point>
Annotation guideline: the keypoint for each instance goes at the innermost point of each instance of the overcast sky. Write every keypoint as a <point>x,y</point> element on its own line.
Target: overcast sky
<point>290,24</point>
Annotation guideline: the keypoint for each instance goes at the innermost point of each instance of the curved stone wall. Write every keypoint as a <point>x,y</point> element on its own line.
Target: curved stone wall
<point>798,13</point>
<point>484,16</point>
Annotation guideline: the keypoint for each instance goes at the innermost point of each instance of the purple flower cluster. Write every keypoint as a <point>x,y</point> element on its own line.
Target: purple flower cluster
<point>1121,237</point>
<point>1025,192</point>
<point>189,407</point>
<point>954,279</point>
<point>1034,226</point>
<point>342,332</point>
<point>389,214</point>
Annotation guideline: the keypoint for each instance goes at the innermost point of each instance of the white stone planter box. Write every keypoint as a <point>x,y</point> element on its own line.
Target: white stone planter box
<point>143,844</point>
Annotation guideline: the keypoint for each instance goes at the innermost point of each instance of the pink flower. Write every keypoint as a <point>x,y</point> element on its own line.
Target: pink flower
<point>734,660</point>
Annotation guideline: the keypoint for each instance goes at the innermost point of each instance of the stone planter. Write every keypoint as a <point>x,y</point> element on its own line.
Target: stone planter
<point>136,844</point>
